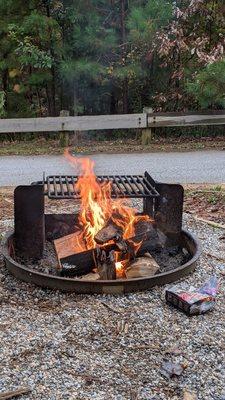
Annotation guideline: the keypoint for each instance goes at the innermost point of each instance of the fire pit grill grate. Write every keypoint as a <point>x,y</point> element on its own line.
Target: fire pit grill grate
<point>133,186</point>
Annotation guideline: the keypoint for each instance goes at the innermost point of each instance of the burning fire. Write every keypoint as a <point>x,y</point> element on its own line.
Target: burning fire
<point>97,208</point>
<point>120,269</point>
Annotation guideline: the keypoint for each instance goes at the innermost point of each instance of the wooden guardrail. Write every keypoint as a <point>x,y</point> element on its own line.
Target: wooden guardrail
<point>145,121</point>
<point>86,123</point>
<point>186,119</point>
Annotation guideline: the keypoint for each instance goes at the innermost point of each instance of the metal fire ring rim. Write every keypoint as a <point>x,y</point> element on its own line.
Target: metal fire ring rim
<point>25,274</point>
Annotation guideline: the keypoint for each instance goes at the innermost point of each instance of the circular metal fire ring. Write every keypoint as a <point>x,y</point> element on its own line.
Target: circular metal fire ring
<point>189,241</point>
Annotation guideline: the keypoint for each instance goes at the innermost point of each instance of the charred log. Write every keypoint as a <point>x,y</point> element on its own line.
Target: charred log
<point>106,264</point>
<point>108,233</point>
<point>71,250</point>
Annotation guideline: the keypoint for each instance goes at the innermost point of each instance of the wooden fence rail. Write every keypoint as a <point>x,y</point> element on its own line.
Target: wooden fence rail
<point>108,122</point>
<point>186,119</point>
<point>86,123</point>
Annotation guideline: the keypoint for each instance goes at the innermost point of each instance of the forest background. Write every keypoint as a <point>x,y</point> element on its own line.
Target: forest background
<point>110,56</point>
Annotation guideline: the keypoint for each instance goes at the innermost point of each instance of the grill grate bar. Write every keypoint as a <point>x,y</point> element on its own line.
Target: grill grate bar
<point>55,186</point>
<point>133,186</point>
<point>145,184</point>
<point>61,185</point>
<point>141,190</point>
<point>121,181</point>
<point>68,186</point>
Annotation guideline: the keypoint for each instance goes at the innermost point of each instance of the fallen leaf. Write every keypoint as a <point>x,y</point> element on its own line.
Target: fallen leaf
<point>189,396</point>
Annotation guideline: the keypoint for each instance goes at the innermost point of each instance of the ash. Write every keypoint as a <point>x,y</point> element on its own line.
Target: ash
<point>168,259</point>
<point>68,346</point>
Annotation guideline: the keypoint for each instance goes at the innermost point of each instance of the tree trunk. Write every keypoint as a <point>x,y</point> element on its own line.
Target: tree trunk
<point>52,86</point>
<point>48,100</point>
<point>5,76</point>
<point>124,8</point>
<point>113,104</point>
<point>5,86</point>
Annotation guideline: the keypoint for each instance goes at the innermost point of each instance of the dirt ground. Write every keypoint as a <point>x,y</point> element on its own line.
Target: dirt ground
<point>201,201</point>
<point>42,146</point>
<point>206,201</point>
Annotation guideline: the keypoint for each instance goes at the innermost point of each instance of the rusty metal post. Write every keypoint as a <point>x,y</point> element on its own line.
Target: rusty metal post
<point>29,221</point>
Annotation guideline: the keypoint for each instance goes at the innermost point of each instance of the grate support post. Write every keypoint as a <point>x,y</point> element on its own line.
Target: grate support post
<point>29,221</point>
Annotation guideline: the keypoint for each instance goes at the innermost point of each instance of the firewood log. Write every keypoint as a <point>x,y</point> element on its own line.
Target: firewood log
<point>142,267</point>
<point>109,232</point>
<point>106,264</point>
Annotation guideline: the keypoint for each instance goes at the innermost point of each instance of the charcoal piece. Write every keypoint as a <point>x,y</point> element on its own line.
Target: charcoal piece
<point>109,232</point>
<point>151,237</point>
<point>173,251</point>
<point>73,270</point>
<point>122,245</point>
<point>59,225</point>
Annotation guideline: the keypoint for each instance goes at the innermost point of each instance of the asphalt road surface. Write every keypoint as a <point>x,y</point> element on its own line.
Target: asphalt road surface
<point>188,167</point>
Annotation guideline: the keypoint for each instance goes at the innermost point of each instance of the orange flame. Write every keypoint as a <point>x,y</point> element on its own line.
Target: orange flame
<point>97,208</point>
<point>120,268</point>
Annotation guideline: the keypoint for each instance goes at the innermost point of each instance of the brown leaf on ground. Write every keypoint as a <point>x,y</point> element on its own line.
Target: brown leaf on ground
<point>102,145</point>
<point>189,396</point>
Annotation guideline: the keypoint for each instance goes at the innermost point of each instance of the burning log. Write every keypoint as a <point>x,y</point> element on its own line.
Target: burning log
<point>92,276</point>
<point>75,259</point>
<point>142,267</point>
<point>106,264</point>
<point>109,232</point>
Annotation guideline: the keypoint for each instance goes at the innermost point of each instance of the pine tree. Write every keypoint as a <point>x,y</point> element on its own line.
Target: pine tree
<point>208,86</point>
<point>27,39</point>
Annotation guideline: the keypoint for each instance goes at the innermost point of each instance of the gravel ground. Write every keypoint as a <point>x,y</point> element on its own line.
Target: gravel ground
<point>68,346</point>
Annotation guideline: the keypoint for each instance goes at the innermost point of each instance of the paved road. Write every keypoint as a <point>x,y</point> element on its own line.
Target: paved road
<point>188,167</point>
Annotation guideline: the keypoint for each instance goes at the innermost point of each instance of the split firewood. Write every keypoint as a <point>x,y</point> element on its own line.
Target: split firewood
<point>106,264</point>
<point>109,232</point>
<point>92,276</point>
<point>142,267</point>
<point>14,393</point>
<point>112,233</point>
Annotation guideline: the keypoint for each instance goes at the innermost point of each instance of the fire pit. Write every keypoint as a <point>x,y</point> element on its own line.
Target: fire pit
<point>107,247</point>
